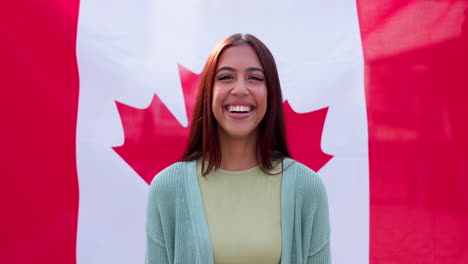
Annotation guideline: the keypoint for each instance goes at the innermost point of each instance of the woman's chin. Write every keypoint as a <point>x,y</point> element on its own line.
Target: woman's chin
<point>239,133</point>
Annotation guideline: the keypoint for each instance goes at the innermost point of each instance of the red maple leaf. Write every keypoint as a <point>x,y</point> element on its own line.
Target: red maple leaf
<point>154,138</point>
<point>304,135</point>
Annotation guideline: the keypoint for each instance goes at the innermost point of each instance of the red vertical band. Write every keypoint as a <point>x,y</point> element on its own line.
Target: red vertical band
<point>416,61</point>
<point>39,99</point>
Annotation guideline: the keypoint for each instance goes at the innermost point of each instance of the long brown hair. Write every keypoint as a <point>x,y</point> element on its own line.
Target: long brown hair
<point>204,140</point>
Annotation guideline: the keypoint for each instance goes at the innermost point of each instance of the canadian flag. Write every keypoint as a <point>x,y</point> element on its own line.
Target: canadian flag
<point>97,97</point>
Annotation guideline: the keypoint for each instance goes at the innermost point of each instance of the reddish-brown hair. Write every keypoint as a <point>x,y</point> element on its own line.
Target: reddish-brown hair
<point>204,140</point>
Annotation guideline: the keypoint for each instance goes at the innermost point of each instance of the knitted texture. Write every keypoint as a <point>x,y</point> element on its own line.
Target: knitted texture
<point>177,230</point>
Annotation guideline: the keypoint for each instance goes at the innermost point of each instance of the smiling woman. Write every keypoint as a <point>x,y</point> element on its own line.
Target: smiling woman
<point>237,196</point>
<point>239,104</point>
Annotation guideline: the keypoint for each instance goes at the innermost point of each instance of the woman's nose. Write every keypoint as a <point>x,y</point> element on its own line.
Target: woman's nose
<point>240,89</point>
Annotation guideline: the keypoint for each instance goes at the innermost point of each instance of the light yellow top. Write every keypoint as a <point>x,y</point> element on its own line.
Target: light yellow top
<point>243,210</point>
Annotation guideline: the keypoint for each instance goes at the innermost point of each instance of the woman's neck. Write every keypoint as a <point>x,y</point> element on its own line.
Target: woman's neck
<point>238,153</point>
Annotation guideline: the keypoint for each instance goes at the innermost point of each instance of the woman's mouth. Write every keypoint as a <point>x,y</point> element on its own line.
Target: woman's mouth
<point>239,111</point>
<point>239,108</point>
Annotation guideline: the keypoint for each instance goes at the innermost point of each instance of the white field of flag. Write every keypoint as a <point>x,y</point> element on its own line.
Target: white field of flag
<point>128,51</point>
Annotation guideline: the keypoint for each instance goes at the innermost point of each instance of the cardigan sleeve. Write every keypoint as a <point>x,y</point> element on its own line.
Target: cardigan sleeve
<point>319,251</point>
<point>155,252</point>
<point>320,257</point>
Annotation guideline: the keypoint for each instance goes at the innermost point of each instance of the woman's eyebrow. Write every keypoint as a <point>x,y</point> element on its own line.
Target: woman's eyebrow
<point>255,69</point>
<point>250,69</point>
<point>226,68</point>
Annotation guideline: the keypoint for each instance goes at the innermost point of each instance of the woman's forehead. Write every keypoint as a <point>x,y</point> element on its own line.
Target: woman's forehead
<point>239,57</point>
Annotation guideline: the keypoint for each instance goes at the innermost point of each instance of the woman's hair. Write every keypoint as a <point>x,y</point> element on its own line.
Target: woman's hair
<point>204,140</point>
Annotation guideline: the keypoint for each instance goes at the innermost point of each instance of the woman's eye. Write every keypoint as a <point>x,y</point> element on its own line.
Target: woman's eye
<point>224,77</point>
<point>256,78</point>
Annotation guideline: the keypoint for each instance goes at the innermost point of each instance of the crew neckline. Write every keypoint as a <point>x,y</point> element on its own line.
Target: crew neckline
<point>230,172</point>
<point>237,172</point>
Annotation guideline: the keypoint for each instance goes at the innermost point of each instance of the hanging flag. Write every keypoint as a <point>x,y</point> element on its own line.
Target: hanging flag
<point>137,86</point>
<point>98,97</point>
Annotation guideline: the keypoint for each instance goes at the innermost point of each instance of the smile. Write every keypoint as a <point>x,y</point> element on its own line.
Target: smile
<point>237,111</point>
<point>239,108</point>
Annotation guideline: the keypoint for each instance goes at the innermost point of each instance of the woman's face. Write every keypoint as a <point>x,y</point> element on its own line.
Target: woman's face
<point>239,92</point>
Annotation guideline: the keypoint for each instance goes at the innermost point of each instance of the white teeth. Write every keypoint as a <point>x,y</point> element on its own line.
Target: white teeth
<point>239,108</point>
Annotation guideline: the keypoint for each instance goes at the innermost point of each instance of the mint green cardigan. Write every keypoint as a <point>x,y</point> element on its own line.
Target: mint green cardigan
<point>177,230</point>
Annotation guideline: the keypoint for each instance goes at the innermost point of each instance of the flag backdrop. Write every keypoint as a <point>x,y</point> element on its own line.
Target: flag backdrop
<point>97,97</point>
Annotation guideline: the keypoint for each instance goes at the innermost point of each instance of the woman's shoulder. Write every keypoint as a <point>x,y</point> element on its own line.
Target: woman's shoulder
<point>307,181</point>
<point>169,178</point>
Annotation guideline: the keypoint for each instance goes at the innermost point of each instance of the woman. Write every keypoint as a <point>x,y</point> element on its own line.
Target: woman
<point>236,196</point>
